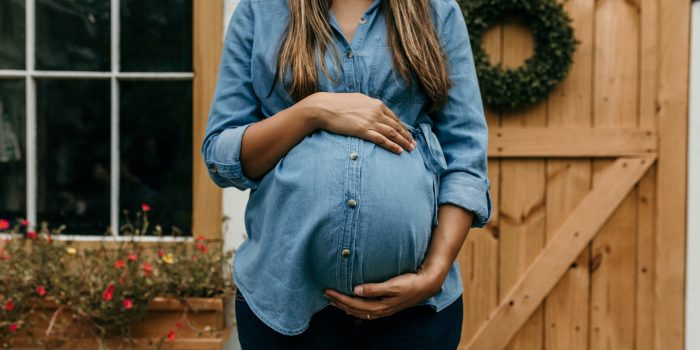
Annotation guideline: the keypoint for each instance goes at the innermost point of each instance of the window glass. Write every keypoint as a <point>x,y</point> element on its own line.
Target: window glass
<point>156,152</point>
<point>12,34</point>
<point>12,150</point>
<point>156,35</point>
<point>73,35</point>
<point>73,155</point>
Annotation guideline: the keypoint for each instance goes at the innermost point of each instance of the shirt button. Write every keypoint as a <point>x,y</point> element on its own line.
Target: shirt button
<point>346,252</point>
<point>350,54</point>
<point>352,203</point>
<point>353,155</point>
<point>363,20</point>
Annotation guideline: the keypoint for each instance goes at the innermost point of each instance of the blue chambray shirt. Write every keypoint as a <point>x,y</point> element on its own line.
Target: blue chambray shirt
<point>337,211</point>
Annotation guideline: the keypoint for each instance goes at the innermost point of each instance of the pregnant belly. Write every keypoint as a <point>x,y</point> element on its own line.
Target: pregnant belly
<point>387,232</point>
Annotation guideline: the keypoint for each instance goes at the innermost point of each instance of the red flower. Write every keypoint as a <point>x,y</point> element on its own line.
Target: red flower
<point>41,290</point>
<point>108,293</point>
<point>202,247</point>
<point>121,280</point>
<point>194,258</point>
<point>179,325</point>
<point>119,264</point>
<point>48,238</point>
<point>128,304</point>
<point>4,257</point>
<point>160,253</point>
<point>31,234</point>
<point>200,238</point>
<point>171,335</point>
<point>145,207</point>
<point>13,327</point>
<point>4,224</point>
<point>9,306</point>
<point>24,222</point>
<point>147,268</point>
<point>132,257</point>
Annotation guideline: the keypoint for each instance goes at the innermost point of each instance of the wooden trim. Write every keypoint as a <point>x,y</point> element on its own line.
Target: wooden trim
<point>207,41</point>
<point>565,245</point>
<point>570,142</point>
<point>672,115</point>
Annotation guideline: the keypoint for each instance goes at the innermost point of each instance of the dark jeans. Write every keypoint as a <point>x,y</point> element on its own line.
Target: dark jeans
<point>417,327</point>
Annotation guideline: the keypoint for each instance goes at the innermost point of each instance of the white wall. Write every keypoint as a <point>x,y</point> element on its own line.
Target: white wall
<point>692,325</point>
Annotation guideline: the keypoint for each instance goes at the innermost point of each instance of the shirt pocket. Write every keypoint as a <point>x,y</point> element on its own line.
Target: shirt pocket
<point>386,83</point>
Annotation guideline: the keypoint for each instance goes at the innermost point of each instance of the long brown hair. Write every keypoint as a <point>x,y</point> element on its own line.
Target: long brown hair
<point>411,34</point>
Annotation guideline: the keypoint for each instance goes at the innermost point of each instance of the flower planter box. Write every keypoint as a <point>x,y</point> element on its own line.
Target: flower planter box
<point>160,320</point>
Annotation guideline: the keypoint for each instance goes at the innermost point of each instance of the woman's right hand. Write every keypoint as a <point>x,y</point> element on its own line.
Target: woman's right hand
<point>359,115</point>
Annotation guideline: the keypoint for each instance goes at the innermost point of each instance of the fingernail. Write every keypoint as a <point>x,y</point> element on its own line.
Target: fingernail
<point>358,290</point>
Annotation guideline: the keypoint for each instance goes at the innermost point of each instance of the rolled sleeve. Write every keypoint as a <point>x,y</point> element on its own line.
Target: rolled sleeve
<point>461,124</point>
<point>235,105</point>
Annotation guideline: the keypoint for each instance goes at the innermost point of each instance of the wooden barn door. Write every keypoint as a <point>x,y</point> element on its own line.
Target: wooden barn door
<point>586,246</point>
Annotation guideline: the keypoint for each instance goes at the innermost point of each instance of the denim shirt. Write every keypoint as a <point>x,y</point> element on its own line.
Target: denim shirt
<point>337,211</point>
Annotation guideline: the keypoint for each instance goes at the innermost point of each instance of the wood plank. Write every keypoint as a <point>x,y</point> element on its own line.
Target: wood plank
<point>672,97</point>
<point>612,187</point>
<point>646,205</point>
<point>616,105</point>
<point>535,142</point>
<point>207,39</point>
<point>522,214</point>
<point>568,181</point>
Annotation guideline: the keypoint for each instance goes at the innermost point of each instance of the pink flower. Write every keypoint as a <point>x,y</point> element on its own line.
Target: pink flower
<point>119,264</point>
<point>132,257</point>
<point>171,335</point>
<point>31,234</point>
<point>200,238</point>
<point>160,253</point>
<point>9,306</point>
<point>41,290</point>
<point>128,304</point>
<point>147,268</point>
<point>4,224</point>
<point>145,207</point>
<point>24,222</point>
<point>13,327</point>
<point>108,293</point>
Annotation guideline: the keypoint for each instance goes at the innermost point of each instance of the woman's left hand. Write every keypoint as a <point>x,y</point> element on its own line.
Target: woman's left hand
<point>386,298</point>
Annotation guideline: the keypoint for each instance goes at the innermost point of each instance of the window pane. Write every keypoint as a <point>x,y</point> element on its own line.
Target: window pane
<point>12,150</point>
<point>72,35</point>
<point>12,34</point>
<point>73,146</point>
<point>156,35</point>
<point>156,152</point>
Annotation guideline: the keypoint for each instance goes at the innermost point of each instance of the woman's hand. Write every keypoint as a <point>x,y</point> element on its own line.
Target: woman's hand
<point>386,298</point>
<point>359,115</point>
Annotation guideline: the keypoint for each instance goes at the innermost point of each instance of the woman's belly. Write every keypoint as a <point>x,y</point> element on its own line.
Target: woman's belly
<point>386,233</point>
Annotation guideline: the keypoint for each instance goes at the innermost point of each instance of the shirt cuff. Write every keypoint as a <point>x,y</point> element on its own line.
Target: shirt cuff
<point>468,192</point>
<point>223,162</point>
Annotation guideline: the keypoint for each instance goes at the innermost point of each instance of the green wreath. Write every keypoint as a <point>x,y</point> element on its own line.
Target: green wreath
<point>554,48</point>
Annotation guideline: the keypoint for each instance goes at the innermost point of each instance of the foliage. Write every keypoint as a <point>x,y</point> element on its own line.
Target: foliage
<point>554,48</point>
<point>107,287</point>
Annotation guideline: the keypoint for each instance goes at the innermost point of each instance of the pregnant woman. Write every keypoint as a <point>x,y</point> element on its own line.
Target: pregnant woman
<point>359,129</point>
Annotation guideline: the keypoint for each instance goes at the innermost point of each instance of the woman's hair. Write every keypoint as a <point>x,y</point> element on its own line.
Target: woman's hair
<point>411,34</point>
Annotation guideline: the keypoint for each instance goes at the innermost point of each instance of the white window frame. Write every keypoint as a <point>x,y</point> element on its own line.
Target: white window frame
<point>30,75</point>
